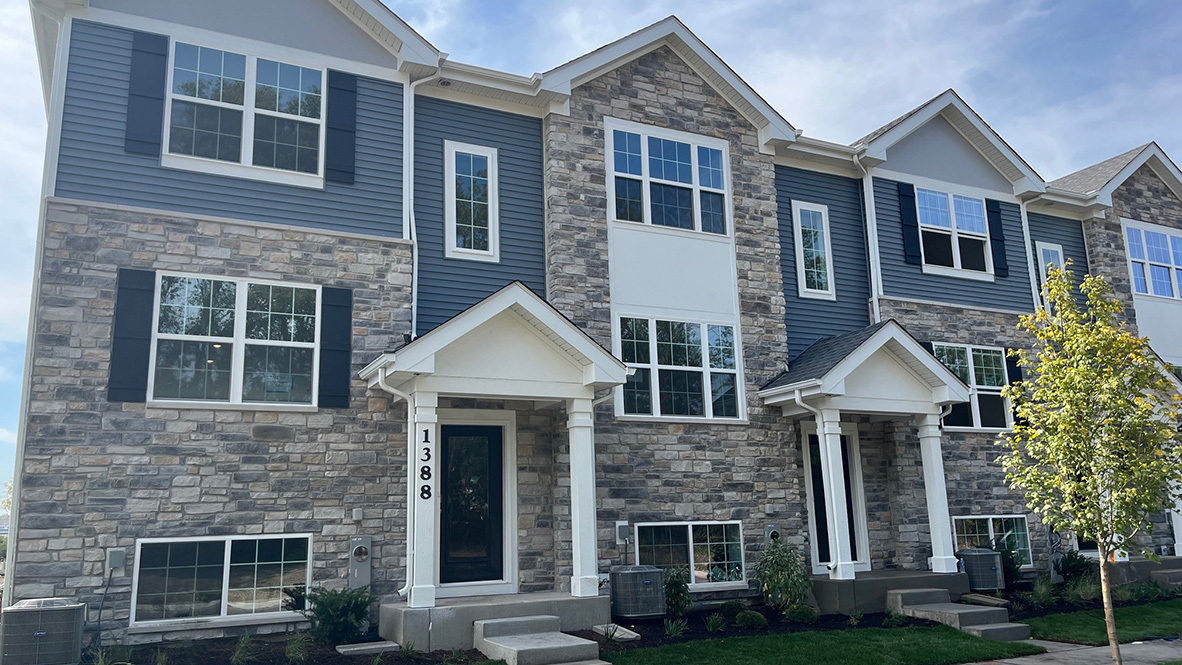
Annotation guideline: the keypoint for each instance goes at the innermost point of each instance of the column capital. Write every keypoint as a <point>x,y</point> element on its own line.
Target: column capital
<point>929,426</point>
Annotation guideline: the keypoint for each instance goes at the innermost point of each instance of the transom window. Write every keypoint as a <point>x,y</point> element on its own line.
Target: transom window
<point>1155,260</point>
<point>667,178</point>
<point>954,232</point>
<point>235,109</point>
<point>470,200</point>
<point>983,369</point>
<point>681,369</point>
<point>814,250</point>
<point>711,551</point>
<point>234,341</point>
<point>217,577</point>
<point>991,531</point>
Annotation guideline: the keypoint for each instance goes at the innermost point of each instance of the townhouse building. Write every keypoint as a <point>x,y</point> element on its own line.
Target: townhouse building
<point>316,304</point>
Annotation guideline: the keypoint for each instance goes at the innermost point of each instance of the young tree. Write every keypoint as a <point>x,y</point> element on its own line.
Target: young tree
<point>1095,441</point>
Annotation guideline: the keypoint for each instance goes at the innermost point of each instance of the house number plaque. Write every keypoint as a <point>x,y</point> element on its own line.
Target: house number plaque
<point>425,470</point>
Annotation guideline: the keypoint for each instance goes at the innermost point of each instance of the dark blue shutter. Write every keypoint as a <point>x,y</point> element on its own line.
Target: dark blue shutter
<point>145,100</point>
<point>131,341</point>
<point>341,124</point>
<point>336,347</point>
<point>929,347</point>
<point>910,218</point>
<point>997,238</point>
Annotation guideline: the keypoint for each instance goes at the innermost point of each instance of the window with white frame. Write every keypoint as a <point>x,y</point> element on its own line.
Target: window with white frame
<point>983,369</point>
<point>1155,259</point>
<point>992,531</point>
<point>234,341</point>
<point>668,178</point>
<point>203,578</point>
<point>711,551</point>
<point>814,250</point>
<point>954,232</point>
<point>470,202</point>
<point>227,108</point>
<point>681,369</point>
<point>1049,255</point>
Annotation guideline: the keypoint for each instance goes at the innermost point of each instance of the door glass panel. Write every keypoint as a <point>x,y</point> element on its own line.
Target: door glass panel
<point>819,508</point>
<point>468,497</point>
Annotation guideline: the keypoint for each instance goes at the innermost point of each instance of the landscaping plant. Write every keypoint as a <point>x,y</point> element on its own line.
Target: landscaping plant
<point>676,627</point>
<point>803,615</point>
<point>1043,593</point>
<point>1073,565</point>
<point>715,623</point>
<point>296,650</point>
<point>1082,591</point>
<point>337,615</point>
<point>751,620</point>
<point>161,657</point>
<point>894,620</point>
<point>245,652</point>
<point>1011,565</point>
<point>783,580</point>
<point>854,619</point>
<point>731,608</point>
<point>1094,445</point>
<point>677,595</point>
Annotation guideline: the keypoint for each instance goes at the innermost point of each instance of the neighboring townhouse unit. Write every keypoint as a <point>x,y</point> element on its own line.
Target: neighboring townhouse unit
<point>327,307</point>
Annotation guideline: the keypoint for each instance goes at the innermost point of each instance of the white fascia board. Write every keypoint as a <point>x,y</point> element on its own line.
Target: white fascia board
<point>47,18</point>
<point>414,48</point>
<point>787,394</point>
<point>941,376</point>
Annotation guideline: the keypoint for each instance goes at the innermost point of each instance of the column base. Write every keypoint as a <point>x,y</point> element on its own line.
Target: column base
<point>944,564</point>
<point>584,587</point>
<point>421,596</point>
<point>842,571</point>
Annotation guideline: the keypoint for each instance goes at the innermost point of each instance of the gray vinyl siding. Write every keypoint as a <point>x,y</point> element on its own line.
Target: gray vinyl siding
<point>1065,232</point>
<point>93,165</point>
<point>449,286</point>
<point>809,319</point>
<point>904,280</point>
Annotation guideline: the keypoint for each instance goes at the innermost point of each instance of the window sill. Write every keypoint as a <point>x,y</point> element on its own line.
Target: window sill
<point>959,273</point>
<point>816,295</point>
<point>680,420</point>
<point>169,625</point>
<point>983,430</point>
<point>234,170</point>
<point>226,406</point>
<point>718,586</point>
<point>472,255</point>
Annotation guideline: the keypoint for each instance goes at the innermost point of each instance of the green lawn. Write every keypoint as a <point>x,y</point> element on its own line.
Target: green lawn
<point>1132,623</point>
<point>940,645</point>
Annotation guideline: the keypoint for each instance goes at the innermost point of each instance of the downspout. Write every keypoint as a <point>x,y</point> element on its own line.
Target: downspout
<point>410,453</point>
<point>871,238</point>
<point>1032,271</point>
<point>409,231</point>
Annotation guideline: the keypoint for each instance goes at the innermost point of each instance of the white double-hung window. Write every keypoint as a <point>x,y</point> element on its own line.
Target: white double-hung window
<point>667,178</point>
<point>814,251</point>
<point>243,115</point>
<point>681,369</point>
<point>471,209</point>
<point>1155,259</point>
<point>954,232</point>
<point>234,341</point>
<point>984,371</point>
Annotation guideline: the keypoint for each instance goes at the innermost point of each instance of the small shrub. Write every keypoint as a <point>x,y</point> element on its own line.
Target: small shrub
<point>803,615</point>
<point>677,595</point>
<point>854,619</point>
<point>408,650</point>
<point>1081,591</point>
<point>731,608</point>
<point>457,656</point>
<point>676,627</point>
<point>1148,591</point>
<point>116,654</point>
<point>1122,593</point>
<point>296,650</point>
<point>336,615</point>
<point>782,578</point>
<point>1011,566</point>
<point>377,659</point>
<point>751,620</point>
<point>245,652</point>
<point>1073,566</point>
<point>715,623</point>
<point>1042,594</point>
<point>161,657</point>
<point>894,620</point>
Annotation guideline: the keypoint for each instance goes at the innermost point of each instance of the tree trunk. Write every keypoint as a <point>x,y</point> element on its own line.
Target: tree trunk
<point>1109,615</point>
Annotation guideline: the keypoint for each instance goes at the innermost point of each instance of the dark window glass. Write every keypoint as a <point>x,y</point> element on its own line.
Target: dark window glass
<point>638,393</point>
<point>714,213</point>
<point>960,416</point>
<point>993,410</point>
<point>722,393</point>
<point>277,374</point>
<point>629,200</point>
<point>972,253</point>
<point>937,249</point>
<point>180,580</point>
<point>672,206</point>
<point>192,370</point>
<point>679,344</point>
<point>681,393</point>
<point>634,347</point>
<point>287,144</point>
<point>205,131</point>
<point>663,546</point>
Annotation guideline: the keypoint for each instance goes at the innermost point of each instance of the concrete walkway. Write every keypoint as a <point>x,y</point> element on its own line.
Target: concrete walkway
<point>1135,653</point>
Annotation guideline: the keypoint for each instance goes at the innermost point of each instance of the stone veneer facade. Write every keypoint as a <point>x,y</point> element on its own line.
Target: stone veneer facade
<point>99,474</point>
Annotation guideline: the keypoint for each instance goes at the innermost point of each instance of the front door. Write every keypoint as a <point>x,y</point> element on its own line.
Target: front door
<point>855,503</point>
<point>471,486</point>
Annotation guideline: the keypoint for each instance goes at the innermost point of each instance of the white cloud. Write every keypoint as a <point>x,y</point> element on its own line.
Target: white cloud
<point>7,436</point>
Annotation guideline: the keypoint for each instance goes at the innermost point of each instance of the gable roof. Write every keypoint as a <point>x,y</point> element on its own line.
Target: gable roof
<point>1102,179</point>
<point>671,32</point>
<point>949,105</point>
<point>824,354</point>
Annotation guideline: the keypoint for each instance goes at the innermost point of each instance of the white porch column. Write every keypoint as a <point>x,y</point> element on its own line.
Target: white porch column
<point>1176,522</point>
<point>841,566</point>
<point>581,431</point>
<point>943,557</point>
<point>421,472</point>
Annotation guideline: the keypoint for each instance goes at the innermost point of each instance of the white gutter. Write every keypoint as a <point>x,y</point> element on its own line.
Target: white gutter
<point>871,239</point>
<point>410,454</point>
<point>1035,294</point>
<point>409,232</point>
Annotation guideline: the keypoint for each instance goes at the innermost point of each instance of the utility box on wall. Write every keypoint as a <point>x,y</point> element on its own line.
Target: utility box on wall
<point>360,550</point>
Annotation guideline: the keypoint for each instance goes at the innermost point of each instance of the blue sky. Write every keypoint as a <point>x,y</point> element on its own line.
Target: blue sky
<point>1066,83</point>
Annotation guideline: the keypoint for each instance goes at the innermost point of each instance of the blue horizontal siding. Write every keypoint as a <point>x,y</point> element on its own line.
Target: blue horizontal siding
<point>449,286</point>
<point>811,319</point>
<point>905,280</point>
<point>1065,232</point>
<point>93,165</point>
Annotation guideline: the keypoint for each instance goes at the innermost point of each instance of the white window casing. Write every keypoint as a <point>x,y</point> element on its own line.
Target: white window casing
<point>968,531</point>
<point>1154,256</point>
<point>451,248</point>
<point>1048,253</point>
<point>695,566</point>
<point>976,375</point>
<point>956,218</point>
<point>826,290</point>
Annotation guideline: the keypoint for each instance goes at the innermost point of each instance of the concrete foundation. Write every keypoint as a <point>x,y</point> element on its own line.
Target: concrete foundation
<point>867,593</point>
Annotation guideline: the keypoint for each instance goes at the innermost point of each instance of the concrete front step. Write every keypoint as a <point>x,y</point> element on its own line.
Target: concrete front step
<point>897,599</point>
<point>539,649</point>
<point>957,616</point>
<point>1170,578</point>
<point>542,623</point>
<point>1000,632</point>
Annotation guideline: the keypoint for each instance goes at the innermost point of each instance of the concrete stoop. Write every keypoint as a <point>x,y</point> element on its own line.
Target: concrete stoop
<point>992,623</point>
<point>532,640</point>
<point>1170,578</point>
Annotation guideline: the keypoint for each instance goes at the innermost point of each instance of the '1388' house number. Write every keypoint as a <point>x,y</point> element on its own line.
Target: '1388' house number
<point>425,471</point>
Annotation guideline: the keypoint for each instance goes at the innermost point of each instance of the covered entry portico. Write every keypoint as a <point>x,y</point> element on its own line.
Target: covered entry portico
<point>882,372</point>
<point>512,346</point>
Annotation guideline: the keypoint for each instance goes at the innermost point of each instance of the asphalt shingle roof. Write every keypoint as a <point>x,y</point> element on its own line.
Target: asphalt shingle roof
<point>816,361</point>
<point>1096,176</point>
<point>894,123</point>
